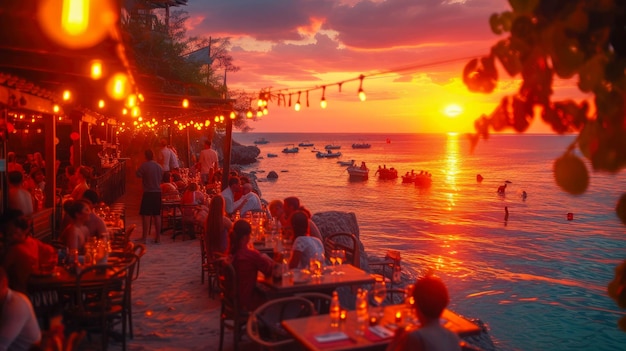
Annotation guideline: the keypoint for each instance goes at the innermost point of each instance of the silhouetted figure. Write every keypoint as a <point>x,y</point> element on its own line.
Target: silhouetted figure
<point>501,189</point>
<point>524,195</point>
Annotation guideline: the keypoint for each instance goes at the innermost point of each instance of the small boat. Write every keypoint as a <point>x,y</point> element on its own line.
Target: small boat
<point>272,155</point>
<point>261,141</point>
<point>332,147</point>
<point>423,180</point>
<point>346,163</point>
<point>409,178</point>
<point>361,146</point>
<point>328,154</point>
<point>387,173</point>
<point>291,149</point>
<point>358,173</point>
<point>306,143</point>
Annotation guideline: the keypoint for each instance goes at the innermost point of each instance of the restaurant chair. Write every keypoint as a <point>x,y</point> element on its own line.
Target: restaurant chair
<point>208,266</point>
<point>128,261</point>
<point>264,325</point>
<point>96,309</point>
<point>395,296</point>
<point>320,301</point>
<point>232,315</point>
<point>347,242</point>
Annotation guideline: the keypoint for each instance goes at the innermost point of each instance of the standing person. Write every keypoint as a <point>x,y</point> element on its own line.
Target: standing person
<point>19,329</point>
<point>166,158</point>
<point>431,298</point>
<point>12,164</point>
<point>151,174</point>
<point>234,186</point>
<point>208,163</point>
<point>39,162</point>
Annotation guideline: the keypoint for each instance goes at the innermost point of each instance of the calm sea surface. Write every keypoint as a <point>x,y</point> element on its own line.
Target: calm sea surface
<point>537,280</point>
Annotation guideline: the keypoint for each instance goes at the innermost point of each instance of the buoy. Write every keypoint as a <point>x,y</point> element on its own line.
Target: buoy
<point>479,178</point>
<point>570,216</point>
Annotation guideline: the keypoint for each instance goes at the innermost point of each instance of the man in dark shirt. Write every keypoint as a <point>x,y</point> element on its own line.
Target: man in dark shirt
<point>151,175</point>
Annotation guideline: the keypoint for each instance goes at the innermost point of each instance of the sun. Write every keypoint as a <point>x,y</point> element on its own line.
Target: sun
<point>453,110</point>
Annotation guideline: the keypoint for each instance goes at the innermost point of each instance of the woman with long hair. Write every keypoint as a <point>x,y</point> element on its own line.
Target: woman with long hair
<point>83,176</point>
<point>305,246</point>
<point>247,263</point>
<point>217,226</point>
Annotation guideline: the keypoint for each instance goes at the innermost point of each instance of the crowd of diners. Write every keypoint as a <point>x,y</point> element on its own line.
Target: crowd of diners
<point>227,233</point>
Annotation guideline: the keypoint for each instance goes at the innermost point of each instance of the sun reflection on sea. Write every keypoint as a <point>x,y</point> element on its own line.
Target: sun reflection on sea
<point>451,169</point>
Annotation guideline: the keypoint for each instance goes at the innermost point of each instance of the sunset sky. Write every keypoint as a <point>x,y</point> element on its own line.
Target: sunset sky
<point>304,44</point>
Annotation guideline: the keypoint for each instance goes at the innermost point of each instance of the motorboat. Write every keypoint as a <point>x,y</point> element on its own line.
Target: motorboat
<point>272,155</point>
<point>423,180</point>
<point>328,154</point>
<point>291,149</point>
<point>361,146</point>
<point>387,173</point>
<point>306,143</point>
<point>261,141</point>
<point>358,173</point>
<point>332,147</point>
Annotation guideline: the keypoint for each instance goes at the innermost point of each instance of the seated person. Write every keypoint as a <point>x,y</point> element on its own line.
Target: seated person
<point>218,225</point>
<point>249,201</point>
<point>76,234</point>
<point>95,224</point>
<point>247,263</point>
<point>292,204</point>
<point>431,298</point>
<point>19,329</point>
<point>19,198</point>
<point>169,191</point>
<point>23,252</point>
<point>304,246</point>
<point>193,199</point>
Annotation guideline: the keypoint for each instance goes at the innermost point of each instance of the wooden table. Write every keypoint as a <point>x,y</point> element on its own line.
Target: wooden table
<point>305,329</point>
<point>326,283</point>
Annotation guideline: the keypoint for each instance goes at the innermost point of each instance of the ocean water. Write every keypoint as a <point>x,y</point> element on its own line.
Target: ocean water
<point>538,280</point>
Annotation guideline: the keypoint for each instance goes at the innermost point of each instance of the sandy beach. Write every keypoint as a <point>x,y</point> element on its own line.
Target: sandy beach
<point>171,307</point>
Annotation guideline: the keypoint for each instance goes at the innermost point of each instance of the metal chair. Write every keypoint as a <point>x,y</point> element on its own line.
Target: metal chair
<point>320,301</point>
<point>264,325</point>
<point>208,265</point>
<point>232,315</point>
<point>347,242</point>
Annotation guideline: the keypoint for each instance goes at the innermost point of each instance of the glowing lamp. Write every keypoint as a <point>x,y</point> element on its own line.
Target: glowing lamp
<point>217,119</point>
<point>96,69</point>
<point>265,111</point>
<point>323,102</point>
<point>361,92</point>
<point>101,103</point>
<point>232,115</point>
<point>77,24</point>
<point>249,113</point>
<point>74,136</point>
<point>185,103</point>
<point>56,108</point>
<point>67,95</point>
<point>118,86</point>
<point>131,101</point>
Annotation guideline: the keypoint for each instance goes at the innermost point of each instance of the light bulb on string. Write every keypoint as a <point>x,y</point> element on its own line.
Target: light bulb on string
<point>265,111</point>
<point>362,96</point>
<point>323,102</point>
<point>233,115</point>
<point>297,106</point>
<point>249,113</point>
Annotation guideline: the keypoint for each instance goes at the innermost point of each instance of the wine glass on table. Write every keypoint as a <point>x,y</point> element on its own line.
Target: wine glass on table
<point>340,258</point>
<point>379,293</point>
<point>333,260</point>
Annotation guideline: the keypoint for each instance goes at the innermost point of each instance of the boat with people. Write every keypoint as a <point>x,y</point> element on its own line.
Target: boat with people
<point>361,146</point>
<point>291,149</point>
<point>261,141</point>
<point>358,173</point>
<point>328,154</point>
<point>332,147</point>
<point>272,155</point>
<point>306,143</point>
<point>346,163</point>
<point>385,173</point>
<point>424,179</point>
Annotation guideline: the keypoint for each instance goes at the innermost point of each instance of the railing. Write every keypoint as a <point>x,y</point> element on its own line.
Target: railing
<point>112,184</point>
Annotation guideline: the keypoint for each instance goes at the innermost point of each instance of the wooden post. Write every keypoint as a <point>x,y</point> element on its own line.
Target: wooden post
<point>50,128</point>
<point>228,139</point>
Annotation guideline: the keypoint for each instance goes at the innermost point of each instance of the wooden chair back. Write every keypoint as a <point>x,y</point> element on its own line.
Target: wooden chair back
<point>347,242</point>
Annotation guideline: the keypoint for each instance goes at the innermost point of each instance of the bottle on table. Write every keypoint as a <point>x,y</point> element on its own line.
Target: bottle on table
<point>335,310</point>
<point>362,315</point>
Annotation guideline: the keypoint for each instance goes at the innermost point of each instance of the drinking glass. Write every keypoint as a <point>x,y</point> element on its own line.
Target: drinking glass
<point>333,260</point>
<point>315,265</point>
<point>340,257</point>
<point>379,294</point>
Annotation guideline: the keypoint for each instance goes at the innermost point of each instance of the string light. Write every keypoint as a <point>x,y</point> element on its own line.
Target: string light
<point>323,102</point>
<point>297,106</point>
<point>362,96</point>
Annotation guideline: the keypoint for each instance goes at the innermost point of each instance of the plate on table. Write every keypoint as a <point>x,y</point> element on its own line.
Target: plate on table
<point>301,276</point>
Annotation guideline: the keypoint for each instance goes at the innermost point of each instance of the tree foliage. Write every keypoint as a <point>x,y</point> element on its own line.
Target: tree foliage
<point>580,39</point>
